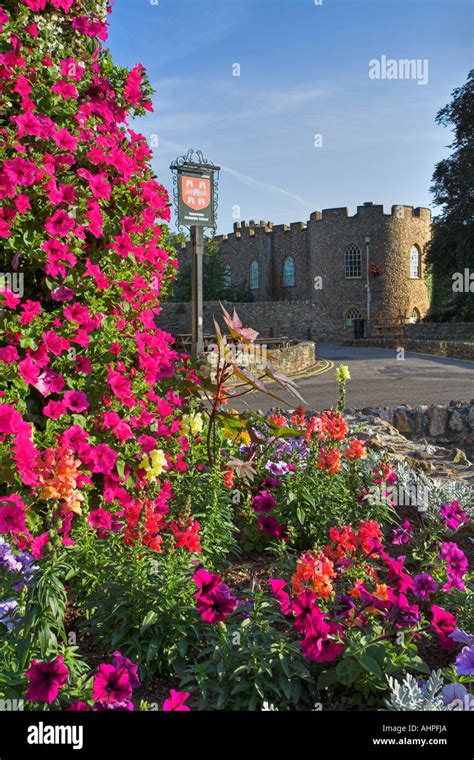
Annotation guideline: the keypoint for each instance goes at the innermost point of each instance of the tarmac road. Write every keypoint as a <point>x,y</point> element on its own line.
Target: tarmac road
<point>379,379</point>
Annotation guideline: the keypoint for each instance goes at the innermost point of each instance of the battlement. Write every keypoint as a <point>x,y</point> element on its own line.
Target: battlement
<point>367,211</point>
<point>370,210</point>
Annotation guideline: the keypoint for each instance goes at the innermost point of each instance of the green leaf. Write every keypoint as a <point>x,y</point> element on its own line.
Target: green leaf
<point>326,678</point>
<point>347,671</point>
<point>371,665</point>
<point>300,514</point>
<point>150,618</point>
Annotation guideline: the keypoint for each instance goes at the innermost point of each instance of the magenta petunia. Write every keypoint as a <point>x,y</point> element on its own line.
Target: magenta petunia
<point>20,171</point>
<point>323,640</point>
<point>453,515</point>
<point>45,679</point>
<point>277,586</point>
<point>54,410</point>
<point>175,701</point>
<point>12,515</point>
<point>103,458</point>
<point>443,624</point>
<point>111,684</point>
<point>76,401</point>
<point>216,605</point>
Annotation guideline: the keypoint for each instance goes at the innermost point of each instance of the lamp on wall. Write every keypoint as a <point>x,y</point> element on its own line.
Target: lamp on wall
<point>367,256</point>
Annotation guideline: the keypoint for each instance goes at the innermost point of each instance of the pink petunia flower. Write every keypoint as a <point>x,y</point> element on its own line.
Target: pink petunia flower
<point>111,684</point>
<point>45,679</point>
<point>54,410</point>
<point>20,171</point>
<point>76,401</point>
<point>175,701</point>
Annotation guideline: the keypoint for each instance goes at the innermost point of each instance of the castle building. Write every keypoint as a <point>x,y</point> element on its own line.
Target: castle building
<point>367,266</point>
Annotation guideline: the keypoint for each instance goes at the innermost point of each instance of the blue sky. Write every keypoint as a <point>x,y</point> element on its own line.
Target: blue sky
<point>304,71</point>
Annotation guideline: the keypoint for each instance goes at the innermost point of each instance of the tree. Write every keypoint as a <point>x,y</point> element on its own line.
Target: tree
<point>451,249</point>
<point>213,276</point>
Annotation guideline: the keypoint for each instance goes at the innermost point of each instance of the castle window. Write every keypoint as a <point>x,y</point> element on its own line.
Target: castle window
<point>289,272</point>
<point>350,315</point>
<point>415,261</point>
<point>254,275</point>
<point>415,316</point>
<point>353,262</point>
<point>227,276</point>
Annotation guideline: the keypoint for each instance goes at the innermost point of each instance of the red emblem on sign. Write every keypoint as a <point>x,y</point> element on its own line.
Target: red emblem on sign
<point>195,191</point>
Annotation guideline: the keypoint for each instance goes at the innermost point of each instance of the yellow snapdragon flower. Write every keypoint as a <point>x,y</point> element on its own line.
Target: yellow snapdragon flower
<point>154,463</point>
<point>193,423</point>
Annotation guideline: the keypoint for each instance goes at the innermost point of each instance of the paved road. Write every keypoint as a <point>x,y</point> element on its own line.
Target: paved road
<point>379,379</point>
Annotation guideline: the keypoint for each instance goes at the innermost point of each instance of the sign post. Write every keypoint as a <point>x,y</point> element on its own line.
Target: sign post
<point>195,196</point>
<point>197,328</point>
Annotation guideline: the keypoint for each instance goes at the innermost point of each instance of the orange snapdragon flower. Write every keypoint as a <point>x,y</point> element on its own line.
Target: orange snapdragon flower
<point>355,450</point>
<point>314,572</point>
<point>329,460</point>
<point>58,473</point>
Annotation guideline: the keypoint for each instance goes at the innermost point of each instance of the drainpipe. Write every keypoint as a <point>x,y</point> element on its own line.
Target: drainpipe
<point>367,256</point>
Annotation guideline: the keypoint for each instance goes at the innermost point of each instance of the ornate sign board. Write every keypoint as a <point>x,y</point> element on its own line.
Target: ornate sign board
<point>195,183</point>
<point>195,197</point>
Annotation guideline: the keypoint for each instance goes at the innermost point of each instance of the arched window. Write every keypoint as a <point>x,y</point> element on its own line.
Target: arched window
<point>353,262</point>
<point>289,272</point>
<point>254,275</point>
<point>227,276</point>
<point>351,314</point>
<point>415,261</point>
<point>415,316</point>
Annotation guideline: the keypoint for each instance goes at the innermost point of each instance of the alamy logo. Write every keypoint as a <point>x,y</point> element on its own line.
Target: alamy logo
<point>45,734</point>
<point>12,282</point>
<point>402,68</point>
<point>463,282</point>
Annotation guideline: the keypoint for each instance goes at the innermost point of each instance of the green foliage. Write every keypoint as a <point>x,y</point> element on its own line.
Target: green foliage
<point>452,245</point>
<point>138,601</point>
<point>213,276</point>
<point>244,664</point>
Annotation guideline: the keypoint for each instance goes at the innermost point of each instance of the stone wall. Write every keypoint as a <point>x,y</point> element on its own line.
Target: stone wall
<point>294,359</point>
<point>451,425</point>
<point>298,320</point>
<point>462,331</point>
<point>436,347</point>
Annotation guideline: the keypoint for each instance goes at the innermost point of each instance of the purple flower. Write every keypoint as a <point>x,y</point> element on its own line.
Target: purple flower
<point>119,661</point>
<point>423,586</point>
<point>277,468</point>
<point>452,692</point>
<point>269,525</point>
<point>402,533</point>
<point>456,566</point>
<point>263,502</point>
<point>270,483</point>
<point>462,637</point>
<point>7,559</point>
<point>465,662</point>
<point>6,608</point>
<point>62,293</point>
